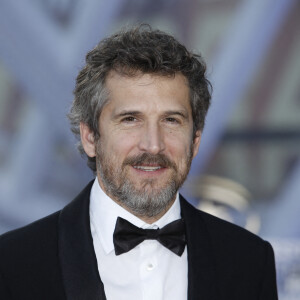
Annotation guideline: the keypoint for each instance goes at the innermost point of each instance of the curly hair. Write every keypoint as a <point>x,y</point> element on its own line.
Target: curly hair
<point>138,49</point>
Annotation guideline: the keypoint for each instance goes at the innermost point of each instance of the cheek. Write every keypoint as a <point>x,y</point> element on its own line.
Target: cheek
<point>179,148</point>
<point>121,145</point>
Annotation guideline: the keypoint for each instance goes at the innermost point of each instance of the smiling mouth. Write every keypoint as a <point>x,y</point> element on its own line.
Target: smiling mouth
<point>149,163</point>
<point>148,168</point>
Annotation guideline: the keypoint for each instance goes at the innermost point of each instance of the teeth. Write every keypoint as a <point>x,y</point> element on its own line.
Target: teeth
<point>147,168</point>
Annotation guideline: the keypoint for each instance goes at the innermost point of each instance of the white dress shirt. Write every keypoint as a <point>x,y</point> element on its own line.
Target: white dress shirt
<point>150,271</point>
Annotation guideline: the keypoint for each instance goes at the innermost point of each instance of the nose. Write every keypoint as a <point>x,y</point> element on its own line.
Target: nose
<point>152,139</point>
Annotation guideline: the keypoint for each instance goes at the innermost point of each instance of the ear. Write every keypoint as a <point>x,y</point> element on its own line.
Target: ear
<point>196,142</point>
<point>87,140</point>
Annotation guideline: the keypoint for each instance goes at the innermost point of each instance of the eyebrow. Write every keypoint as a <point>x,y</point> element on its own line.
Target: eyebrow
<point>182,113</point>
<point>123,113</point>
<point>126,113</point>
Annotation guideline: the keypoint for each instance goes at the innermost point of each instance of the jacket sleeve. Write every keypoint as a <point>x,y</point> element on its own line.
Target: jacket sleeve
<point>269,286</point>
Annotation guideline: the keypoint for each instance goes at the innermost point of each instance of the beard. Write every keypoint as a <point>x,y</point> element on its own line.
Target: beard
<point>147,198</point>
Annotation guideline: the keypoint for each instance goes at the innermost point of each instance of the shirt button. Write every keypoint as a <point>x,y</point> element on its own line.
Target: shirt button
<point>150,267</point>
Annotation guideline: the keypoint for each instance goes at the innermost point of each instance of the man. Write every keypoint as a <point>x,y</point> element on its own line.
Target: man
<point>139,108</point>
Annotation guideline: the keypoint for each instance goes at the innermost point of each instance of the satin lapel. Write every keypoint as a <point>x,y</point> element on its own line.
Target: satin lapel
<point>202,281</point>
<point>76,251</point>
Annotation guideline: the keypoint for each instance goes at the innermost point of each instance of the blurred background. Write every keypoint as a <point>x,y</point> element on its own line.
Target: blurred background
<point>248,167</point>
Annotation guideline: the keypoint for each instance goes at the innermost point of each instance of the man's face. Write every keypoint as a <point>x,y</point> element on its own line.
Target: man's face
<point>146,142</point>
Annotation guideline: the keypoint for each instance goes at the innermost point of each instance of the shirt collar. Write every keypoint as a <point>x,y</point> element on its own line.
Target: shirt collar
<point>104,213</point>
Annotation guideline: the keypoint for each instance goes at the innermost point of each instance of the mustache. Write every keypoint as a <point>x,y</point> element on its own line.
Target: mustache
<point>147,158</point>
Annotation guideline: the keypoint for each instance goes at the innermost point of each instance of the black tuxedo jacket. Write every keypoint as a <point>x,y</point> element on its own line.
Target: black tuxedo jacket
<point>54,258</point>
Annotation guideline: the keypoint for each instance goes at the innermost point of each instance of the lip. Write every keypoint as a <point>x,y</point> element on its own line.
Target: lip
<point>148,170</point>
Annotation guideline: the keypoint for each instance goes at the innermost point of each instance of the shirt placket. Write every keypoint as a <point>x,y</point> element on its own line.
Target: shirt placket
<point>151,280</point>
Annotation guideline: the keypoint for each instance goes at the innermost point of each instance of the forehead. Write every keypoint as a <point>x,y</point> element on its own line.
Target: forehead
<point>148,89</point>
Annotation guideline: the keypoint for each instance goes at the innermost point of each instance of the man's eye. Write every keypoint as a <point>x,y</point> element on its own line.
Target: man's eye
<point>129,119</point>
<point>172,120</point>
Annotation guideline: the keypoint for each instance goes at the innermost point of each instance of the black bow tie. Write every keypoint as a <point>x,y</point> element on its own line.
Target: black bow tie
<point>127,236</point>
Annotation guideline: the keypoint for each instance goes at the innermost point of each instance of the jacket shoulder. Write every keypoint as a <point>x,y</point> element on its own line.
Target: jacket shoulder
<point>29,261</point>
<point>225,230</point>
<point>230,244</point>
<point>220,229</point>
<point>36,232</point>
